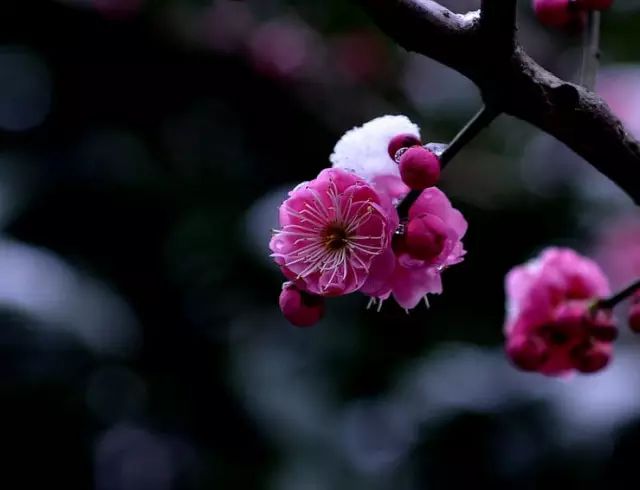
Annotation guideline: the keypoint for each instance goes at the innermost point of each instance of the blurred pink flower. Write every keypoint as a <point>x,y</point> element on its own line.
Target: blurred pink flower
<point>550,327</point>
<point>332,229</point>
<point>284,48</point>
<point>225,25</point>
<point>619,86</point>
<point>410,276</point>
<point>361,56</point>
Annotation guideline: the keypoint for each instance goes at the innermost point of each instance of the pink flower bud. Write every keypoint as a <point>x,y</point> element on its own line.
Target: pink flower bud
<point>602,326</point>
<point>634,317</point>
<point>589,358</point>
<point>593,4</point>
<point>558,13</point>
<point>528,353</point>
<point>419,168</point>
<point>299,307</point>
<point>574,317</point>
<point>402,141</point>
<point>425,237</point>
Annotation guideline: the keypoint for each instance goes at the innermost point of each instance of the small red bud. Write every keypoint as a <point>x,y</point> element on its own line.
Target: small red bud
<point>528,353</point>
<point>562,14</point>
<point>419,168</point>
<point>299,307</point>
<point>402,141</point>
<point>602,326</point>
<point>590,358</point>
<point>634,317</point>
<point>425,237</point>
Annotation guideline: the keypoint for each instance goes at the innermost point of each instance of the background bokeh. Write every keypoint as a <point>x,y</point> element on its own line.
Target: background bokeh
<point>144,148</point>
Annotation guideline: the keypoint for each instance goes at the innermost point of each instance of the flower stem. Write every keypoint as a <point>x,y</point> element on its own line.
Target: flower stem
<point>612,301</point>
<point>481,120</point>
<point>591,50</point>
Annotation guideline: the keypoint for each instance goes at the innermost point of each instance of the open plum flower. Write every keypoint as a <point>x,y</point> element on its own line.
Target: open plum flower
<point>342,233</point>
<point>552,325</point>
<point>331,230</point>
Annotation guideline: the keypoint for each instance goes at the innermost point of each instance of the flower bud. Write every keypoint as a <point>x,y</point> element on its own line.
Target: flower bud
<point>602,326</point>
<point>299,307</point>
<point>634,317</point>
<point>590,358</point>
<point>561,14</point>
<point>402,141</point>
<point>419,168</point>
<point>528,353</point>
<point>425,237</point>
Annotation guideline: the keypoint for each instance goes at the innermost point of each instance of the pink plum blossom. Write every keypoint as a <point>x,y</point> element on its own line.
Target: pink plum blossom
<point>619,86</point>
<point>551,326</point>
<point>332,228</point>
<point>342,233</point>
<point>409,278</point>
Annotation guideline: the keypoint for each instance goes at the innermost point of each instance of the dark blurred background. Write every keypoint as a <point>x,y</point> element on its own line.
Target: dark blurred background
<point>144,148</point>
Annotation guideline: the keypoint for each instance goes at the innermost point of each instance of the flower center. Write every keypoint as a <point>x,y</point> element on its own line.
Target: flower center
<point>335,237</point>
<point>554,335</point>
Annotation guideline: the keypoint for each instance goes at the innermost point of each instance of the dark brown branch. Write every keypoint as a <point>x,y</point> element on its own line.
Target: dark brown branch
<point>577,117</point>
<point>498,25</point>
<point>612,301</point>
<point>515,84</point>
<point>425,26</point>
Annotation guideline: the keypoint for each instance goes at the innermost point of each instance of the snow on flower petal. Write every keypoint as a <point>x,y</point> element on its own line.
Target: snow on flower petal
<point>332,228</point>
<point>364,150</point>
<point>549,314</point>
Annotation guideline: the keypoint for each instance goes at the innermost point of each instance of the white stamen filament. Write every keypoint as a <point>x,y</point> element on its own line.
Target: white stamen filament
<point>328,237</point>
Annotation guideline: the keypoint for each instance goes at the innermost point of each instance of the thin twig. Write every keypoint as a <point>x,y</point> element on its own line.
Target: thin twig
<point>591,51</point>
<point>612,301</point>
<point>481,120</point>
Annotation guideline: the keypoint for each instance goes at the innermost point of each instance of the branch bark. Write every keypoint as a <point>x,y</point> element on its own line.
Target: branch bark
<point>513,82</point>
<point>498,26</point>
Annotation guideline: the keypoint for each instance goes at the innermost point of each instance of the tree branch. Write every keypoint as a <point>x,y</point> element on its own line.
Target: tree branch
<point>610,302</point>
<point>498,25</point>
<point>514,84</point>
